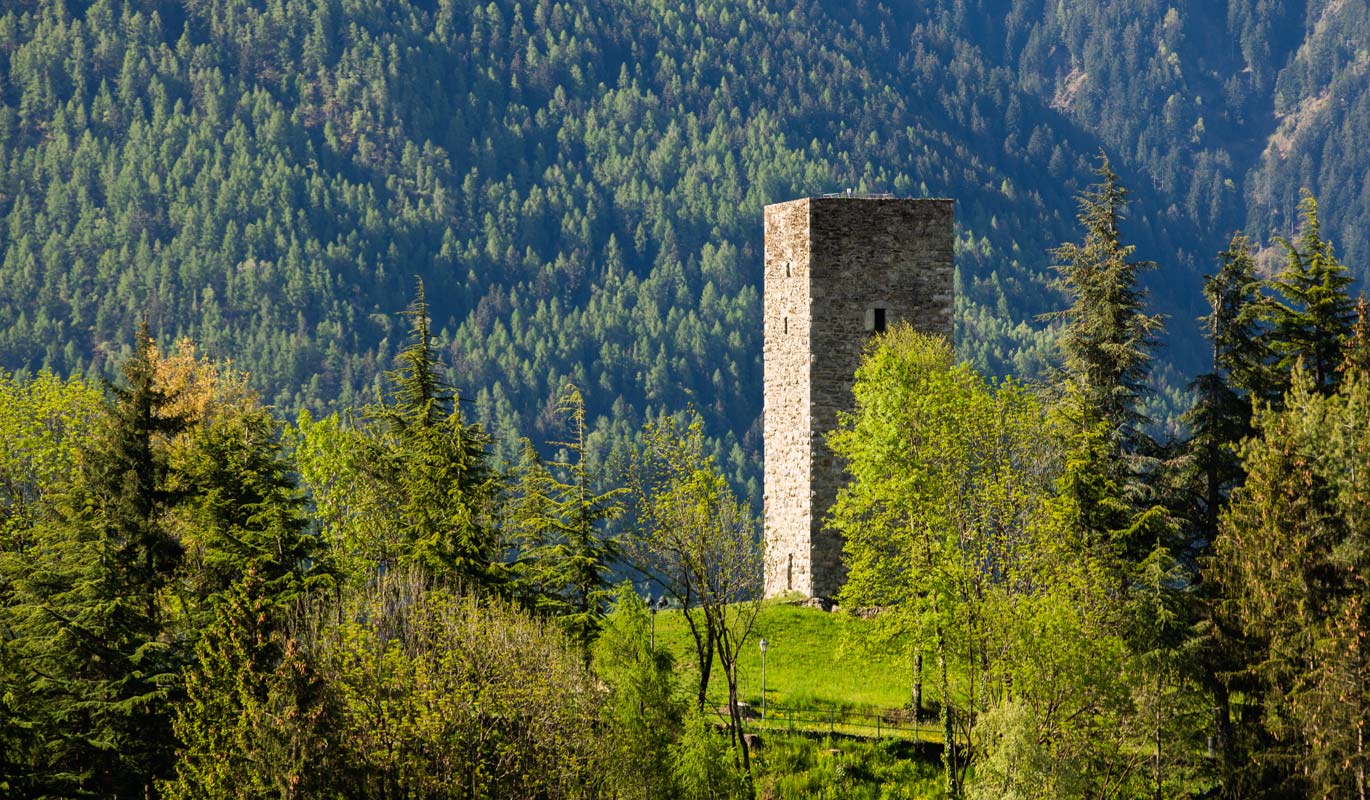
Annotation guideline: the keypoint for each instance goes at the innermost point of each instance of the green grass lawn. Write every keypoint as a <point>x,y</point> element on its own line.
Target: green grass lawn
<point>814,659</point>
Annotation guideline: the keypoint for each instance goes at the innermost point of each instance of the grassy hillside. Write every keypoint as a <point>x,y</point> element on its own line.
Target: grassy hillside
<point>813,659</point>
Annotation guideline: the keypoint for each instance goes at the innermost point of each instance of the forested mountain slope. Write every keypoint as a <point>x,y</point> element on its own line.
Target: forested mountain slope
<point>580,185</point>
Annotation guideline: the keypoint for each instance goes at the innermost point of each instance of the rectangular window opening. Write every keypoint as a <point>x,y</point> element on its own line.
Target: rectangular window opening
<point>879,324</point>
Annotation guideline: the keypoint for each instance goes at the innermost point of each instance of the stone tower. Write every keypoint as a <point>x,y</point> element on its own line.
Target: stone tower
<point>838,269</point>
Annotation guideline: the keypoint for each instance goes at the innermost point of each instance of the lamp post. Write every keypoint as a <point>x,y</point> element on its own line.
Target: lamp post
<point>651,606</point>
<point>763,644</point>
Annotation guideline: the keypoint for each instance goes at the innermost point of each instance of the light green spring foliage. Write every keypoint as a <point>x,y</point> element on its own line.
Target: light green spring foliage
<point>953,528</point>
<point>703,763</point>
<point>349,505</point>
<point>253,722</point>
<point>807,768</point>
<point>43,420</point>
<point>698,542</point>
<point>441,695</point>
<point>644,714</point>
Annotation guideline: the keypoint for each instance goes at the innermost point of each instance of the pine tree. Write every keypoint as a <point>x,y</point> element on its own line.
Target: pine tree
<point>1221,415</point>
<point>1210,468</point>
<point>248,513</point>
<point>1311,319</point>
<point>1357,358</point>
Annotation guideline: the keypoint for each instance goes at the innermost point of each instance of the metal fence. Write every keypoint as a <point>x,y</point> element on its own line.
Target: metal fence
<point>898,723</point>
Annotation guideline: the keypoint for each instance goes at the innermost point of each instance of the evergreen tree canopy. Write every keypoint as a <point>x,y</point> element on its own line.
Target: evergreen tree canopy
<point>1311,318</point>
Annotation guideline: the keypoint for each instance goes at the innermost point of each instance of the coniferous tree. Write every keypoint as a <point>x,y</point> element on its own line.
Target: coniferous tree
<point>252,723</point>
<point>436,464</point>
<point>89,603</point>
<point>1239,373</point>
<point>1210,467</point>
<point>1358,347</point>
<point>1106,341</point>
<point>1290,562</point>
<point>247,512</point>
<point>563,517</point>
<point>1311,318</point>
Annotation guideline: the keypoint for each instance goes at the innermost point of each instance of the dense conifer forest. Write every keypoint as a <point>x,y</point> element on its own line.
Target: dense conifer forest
<point>580,185</point>
<point>352,351</point>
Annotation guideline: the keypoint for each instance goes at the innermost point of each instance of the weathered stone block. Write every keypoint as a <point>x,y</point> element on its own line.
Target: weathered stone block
<point>837,270</point>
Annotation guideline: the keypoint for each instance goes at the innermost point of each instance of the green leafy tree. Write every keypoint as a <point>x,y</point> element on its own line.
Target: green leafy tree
<point>701,765</point>
<point>643,716</point>
<point>698,542</point>
<point>949,478</point>
<point>452,696</point>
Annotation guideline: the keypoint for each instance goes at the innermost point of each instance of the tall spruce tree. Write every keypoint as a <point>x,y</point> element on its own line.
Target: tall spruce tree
<point>1106,342</point>
<point>1210,468</point>
<point>1312,311</point>
<point>1240,371</point>
<point>247,513</point>
<point>436,464</point>
<point>89,616</point>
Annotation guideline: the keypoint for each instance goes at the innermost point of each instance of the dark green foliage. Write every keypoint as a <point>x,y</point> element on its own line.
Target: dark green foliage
<point>248,514</point>
<point>1311,318</point>
<point>560,515</point>
<point>1221,415</point>
<point>1106,338</point>
<point>580,186</point>
<point>433,466</point>
<point>91,642</point>
<point>1106,343</point>
<point>1209,469</point>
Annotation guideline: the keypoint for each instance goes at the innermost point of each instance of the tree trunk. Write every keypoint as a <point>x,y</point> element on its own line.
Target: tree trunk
<point>917,699</point>
<point>948,724</point>
<point>1222,727</point>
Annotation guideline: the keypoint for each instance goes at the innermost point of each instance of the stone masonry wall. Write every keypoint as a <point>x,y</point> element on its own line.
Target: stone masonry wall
<point>786,415</point>
<point>857,254</point>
